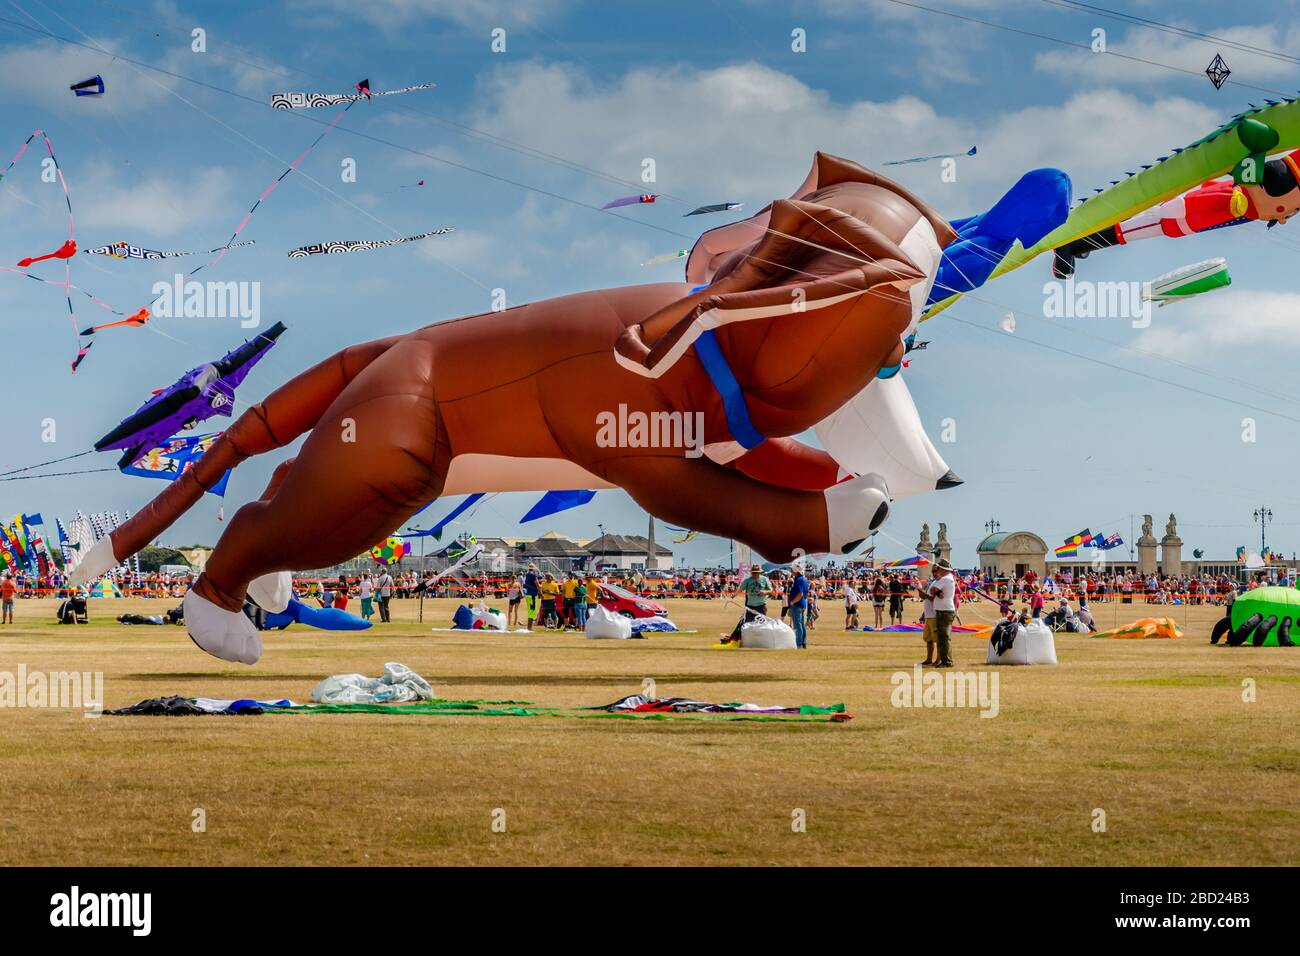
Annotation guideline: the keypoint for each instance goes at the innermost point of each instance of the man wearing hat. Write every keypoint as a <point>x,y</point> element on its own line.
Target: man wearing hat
<point>943,593</point>
<point>754,590</point>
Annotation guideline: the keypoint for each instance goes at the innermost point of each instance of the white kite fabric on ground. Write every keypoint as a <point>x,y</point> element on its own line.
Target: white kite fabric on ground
<point>606,625</point>
<point>879,430</point>
<point>327,248</point>
<point>306,101</point>
<point>398,684</point>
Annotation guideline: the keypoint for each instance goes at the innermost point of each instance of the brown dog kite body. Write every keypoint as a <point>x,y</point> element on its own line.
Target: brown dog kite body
<point>805,303</point>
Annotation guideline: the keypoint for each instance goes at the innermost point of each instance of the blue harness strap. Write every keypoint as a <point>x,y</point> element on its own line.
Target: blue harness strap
<point>733,399</point>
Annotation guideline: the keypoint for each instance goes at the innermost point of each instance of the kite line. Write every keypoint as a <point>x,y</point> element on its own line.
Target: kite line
<point>64,252</point>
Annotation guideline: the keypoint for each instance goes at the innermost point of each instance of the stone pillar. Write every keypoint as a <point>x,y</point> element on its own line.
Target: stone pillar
<point>1171,549</point>
<point>942,547</point>
<point>1146,548</point>
<point>925,548</point>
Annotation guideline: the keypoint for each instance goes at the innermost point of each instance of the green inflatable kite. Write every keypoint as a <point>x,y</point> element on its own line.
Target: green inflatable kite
<point>1263,617</point>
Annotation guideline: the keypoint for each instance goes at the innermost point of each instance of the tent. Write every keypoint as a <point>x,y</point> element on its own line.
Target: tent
<point>105,588</point>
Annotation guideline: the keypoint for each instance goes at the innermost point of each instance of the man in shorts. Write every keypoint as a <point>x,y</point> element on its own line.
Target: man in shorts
<point>531,593</point>
<point>850,605</point>
<point>932,658</point>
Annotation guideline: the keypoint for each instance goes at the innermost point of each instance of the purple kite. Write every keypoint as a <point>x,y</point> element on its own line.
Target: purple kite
<point>630,200</point>
<point>198,395</point>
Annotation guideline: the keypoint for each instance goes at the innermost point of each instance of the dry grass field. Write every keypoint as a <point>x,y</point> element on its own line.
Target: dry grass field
<point>1155,733</point>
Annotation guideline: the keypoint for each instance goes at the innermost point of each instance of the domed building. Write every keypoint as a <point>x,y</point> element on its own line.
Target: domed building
<point>1012,553</point>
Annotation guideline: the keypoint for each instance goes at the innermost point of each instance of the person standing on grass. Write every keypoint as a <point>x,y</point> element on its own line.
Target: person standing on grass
<point>932,658</point>
<point>879,595</point>
<point>569,591</point>
<point>550,589</point>
<point>1036,601</point>
<point>593,592</point>
<point>531,593</point>
<point>796,600</point>
<point>7,591</point>
<point>514,597</point>
<point>366,592</point>
<point>385,588</point>
<point>896,591</point>
<point>754,596</point>
<point>943,593</point>
<point>850,606</point>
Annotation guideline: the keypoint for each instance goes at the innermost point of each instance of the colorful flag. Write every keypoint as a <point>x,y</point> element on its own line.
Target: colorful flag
<point>1070,549</point>
<point>916,561</point>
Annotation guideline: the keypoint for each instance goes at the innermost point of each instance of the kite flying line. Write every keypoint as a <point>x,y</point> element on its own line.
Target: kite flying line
<point>276,182</point>
<point>64,252</point>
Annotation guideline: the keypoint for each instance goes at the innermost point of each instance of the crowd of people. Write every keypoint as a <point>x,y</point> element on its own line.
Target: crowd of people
<point>869,597</point>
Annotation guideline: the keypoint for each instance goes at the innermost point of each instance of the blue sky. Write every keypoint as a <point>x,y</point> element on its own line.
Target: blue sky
<point>1058,426</point>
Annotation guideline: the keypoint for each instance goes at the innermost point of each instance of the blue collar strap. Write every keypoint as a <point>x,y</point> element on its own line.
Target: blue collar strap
<point>733,399</point>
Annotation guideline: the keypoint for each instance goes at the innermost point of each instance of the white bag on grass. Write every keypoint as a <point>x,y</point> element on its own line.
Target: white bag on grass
<point>1033,644</point>
<point>767,633</point>
<point>603,624</point>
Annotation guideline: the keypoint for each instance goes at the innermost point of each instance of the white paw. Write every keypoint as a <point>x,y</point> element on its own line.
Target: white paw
<point>95,563</point>
<point>229,635</point>
<point>854,509</point>
<point>271,592</point>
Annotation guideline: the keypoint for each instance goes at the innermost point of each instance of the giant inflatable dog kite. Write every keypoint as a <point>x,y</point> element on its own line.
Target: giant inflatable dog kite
<point>803,306</point>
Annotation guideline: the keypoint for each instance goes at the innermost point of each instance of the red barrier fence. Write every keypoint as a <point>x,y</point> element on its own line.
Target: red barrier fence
<point>827,589</point>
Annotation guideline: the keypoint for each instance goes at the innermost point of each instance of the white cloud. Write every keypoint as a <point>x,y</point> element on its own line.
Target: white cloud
<point>472,14</point>
<point>1220,322</point>
<point>748,132</point>
<point>1184,53</point>
<point>200,203</point>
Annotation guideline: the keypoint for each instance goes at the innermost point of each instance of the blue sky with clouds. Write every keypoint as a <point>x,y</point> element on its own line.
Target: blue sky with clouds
<point>1061,425</point>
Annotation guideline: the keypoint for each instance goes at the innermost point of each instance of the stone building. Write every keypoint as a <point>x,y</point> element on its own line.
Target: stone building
<point>1012,553</point>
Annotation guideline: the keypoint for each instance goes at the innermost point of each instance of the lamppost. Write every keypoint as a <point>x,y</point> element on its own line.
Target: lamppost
<point>1263,515</point>
<point>991,526</point>
<point>600,553</point>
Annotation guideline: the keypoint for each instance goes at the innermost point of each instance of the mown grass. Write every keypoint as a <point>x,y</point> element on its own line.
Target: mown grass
<point>1154,733</point>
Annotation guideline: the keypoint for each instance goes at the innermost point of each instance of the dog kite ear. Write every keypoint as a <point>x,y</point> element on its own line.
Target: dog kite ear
<point>712,248</point>
<point>809,257</point>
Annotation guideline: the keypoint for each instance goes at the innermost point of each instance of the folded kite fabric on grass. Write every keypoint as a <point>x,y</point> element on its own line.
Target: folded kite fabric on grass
<point>440,707</point>
<point>638,703</point>
<point>917,628</point>
<point>398,684</point>
<point>199,707</point>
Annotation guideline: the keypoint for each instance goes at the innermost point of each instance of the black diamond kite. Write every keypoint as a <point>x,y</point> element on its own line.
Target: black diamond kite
<point>1218,72</point>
